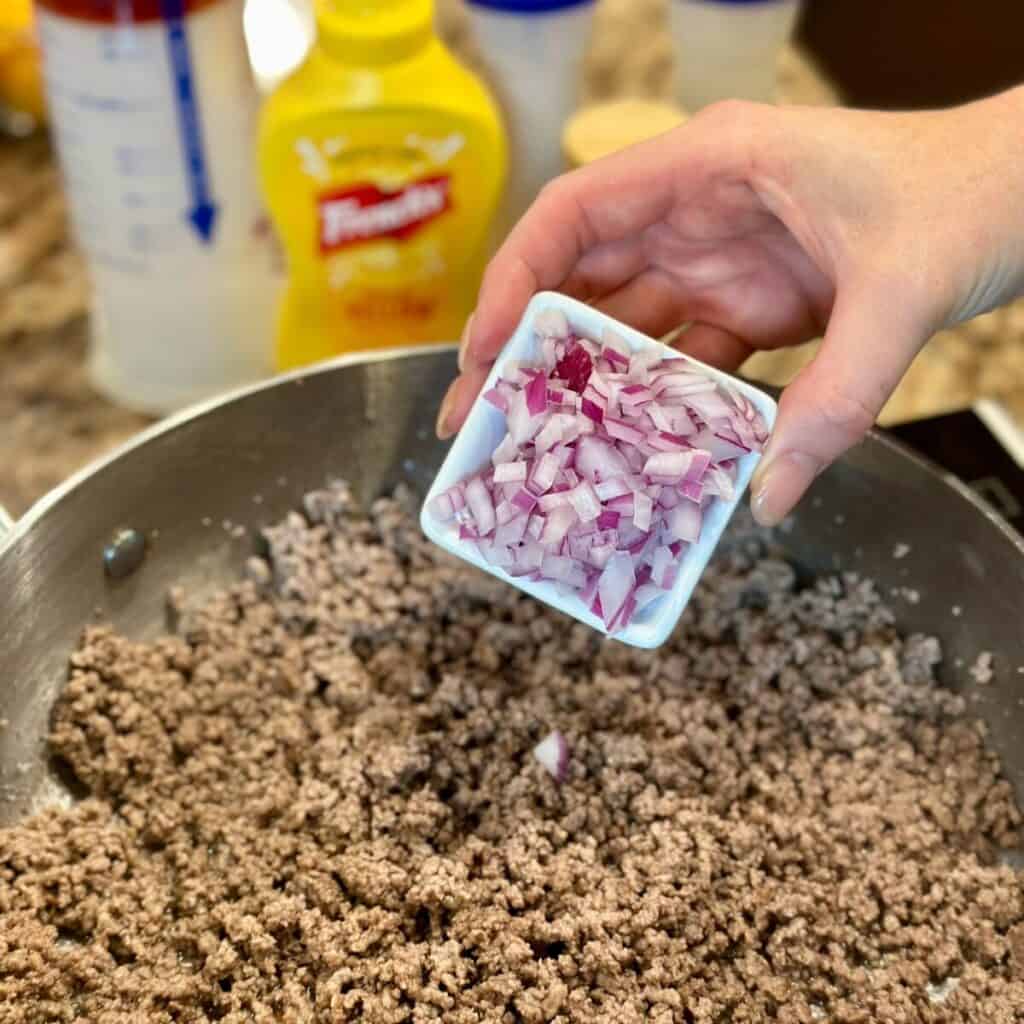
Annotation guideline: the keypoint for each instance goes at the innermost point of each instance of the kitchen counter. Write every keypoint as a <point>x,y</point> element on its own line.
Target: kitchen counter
<point>53,422</point>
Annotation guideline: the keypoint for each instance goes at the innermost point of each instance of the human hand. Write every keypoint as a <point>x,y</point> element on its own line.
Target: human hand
<point>764,227</point>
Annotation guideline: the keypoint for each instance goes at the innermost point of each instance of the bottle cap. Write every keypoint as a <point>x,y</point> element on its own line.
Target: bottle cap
<point>528,6</point>
<point>374,31</point>
<point>605,128</point>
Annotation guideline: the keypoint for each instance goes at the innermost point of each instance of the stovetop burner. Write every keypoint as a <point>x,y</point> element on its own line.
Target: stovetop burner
<point>982,447</point>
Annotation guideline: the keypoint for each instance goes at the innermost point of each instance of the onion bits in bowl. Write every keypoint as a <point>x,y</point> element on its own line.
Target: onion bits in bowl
<point>598,470</point>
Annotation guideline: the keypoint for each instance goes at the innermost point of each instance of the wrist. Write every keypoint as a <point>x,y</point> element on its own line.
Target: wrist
<point>990,134</point>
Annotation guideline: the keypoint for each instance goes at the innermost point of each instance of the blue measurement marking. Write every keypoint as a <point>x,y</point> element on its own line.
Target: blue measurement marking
<point>202,214</point>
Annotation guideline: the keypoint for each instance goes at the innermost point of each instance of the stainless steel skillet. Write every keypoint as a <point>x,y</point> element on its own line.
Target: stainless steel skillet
<point>200,485</point>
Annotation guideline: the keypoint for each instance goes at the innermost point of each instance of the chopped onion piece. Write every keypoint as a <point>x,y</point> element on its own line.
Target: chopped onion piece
<point>442,507</point>
<point>646,594</point>
<point>537,395</point>
<point>684,522</point>
<point>510,472</point>
<point>597,460</point>
<point>505,513</point>
<point>497,399</point>
<point>478,498</point>
<point>556,526</point>
<point>592,410</point>
<point>613,488</point>
<point>544,472</point>
<point>622,431</point>
<point>564,570</point>
<point>551,323</point>
<point>511,532</point>
<point>553,754</point>
<point>643,509</point>
<point>549,435</point>
<point>585,501</point>
<point>617,580</point>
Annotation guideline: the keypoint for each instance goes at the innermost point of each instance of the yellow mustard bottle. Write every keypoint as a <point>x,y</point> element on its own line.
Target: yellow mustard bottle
<point>382,161</point>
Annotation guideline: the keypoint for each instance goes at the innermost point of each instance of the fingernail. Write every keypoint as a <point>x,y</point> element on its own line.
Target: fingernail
<point>464,343</point>
<point>779,484</point>
<point>442,428</point>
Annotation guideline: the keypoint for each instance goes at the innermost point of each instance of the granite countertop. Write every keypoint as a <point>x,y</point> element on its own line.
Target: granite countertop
<point>53,422</point>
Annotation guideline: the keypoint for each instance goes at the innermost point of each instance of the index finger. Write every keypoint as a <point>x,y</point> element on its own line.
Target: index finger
<point>606,201</point>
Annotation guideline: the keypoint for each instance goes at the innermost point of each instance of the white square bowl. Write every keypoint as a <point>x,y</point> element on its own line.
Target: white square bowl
<point>484,429</point>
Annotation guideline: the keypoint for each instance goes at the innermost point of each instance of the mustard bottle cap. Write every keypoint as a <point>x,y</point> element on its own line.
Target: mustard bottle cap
<point>374,31</point>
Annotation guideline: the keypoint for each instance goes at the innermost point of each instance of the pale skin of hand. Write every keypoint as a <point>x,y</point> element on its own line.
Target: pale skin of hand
<point>764,227</point>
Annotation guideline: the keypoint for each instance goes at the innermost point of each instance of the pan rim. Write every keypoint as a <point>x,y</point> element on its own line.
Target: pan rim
<point>174,421</point>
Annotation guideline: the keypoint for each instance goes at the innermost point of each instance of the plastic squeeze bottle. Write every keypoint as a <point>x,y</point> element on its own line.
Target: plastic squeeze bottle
<point>382,161</point>
<point>533,51</point>
<point>153,107</point>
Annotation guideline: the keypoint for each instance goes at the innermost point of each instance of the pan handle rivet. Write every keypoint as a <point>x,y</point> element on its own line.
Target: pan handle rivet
<point>124,553</point>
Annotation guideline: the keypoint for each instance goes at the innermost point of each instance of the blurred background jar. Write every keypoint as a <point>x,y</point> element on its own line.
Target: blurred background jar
<point>22,106</point>
<point>729,49</point>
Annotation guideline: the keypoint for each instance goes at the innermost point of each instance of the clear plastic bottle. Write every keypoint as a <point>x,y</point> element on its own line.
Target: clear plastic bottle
<point>729,49</point>
<point>533,51</point>
<point>153,106</point>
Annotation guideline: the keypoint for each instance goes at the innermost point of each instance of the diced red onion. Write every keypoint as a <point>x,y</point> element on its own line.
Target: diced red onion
<point>692,490</point>
<point>551,323</point>
<point>505,512</point>
<point>592,410</point>
<point>511,532</point>
<point>684,522</point>
<point>597,460</point>
<point>623,504</point>
<point>613,488</point>
<point>610,458</point>
<point>717,446</point>
<point>575,367</point>
<point>552,500</point>
<point>585,501</point>
<point>556,526</point>
<point>478,498</point>
<point>549,435</point>
<point>545,469</point>
<point>510,472</point>
<point>442,507</point>
<point>622,431</point>
<point>497,399</point>
<point>553,754</point>
<point>537,395</point>
<point>564,570</point>
<point>497,554</point>
<point>524,500</point>
<point>643,510</point>
<point>617,579</point>
<point>646,594</point>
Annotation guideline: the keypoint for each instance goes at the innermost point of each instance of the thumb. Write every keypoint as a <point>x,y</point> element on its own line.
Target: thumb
<point>872,338</point>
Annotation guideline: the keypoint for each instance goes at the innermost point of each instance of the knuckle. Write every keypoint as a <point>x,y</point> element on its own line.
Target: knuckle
<point>554,193</point>
<point>731,114</point>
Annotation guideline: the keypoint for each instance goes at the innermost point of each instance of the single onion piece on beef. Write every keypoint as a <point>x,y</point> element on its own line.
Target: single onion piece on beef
<point>553,753</point>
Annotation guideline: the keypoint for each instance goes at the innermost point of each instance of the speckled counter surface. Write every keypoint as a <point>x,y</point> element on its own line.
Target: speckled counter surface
<point>52,422</point>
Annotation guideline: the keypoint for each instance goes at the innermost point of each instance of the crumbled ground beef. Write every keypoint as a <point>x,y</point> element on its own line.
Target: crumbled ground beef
<point>317,802</point>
